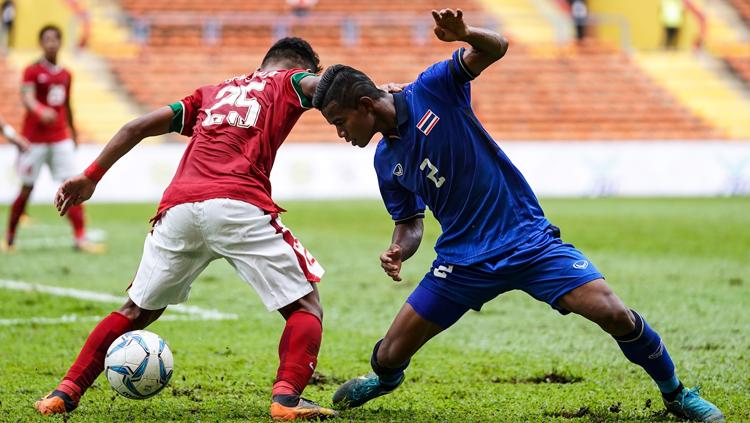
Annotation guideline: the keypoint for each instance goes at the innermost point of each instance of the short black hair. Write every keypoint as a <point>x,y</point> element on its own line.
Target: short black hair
<point>50,27</point>
<point>295,49</point>
<point>344,85</point>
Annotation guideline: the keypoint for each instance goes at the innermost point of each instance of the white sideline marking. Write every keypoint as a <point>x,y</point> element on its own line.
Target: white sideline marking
<point>50,238</point>
<point>74,318</point>
<point>189,312</point>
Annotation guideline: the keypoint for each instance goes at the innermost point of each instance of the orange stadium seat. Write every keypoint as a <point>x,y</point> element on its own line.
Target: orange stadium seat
<point>11,108</point>
<point>743,9</point>
<point>740,65</point>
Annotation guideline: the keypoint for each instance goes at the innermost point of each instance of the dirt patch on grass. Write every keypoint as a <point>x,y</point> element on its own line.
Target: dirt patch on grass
<point>552,377</point>
<point>318,378</point>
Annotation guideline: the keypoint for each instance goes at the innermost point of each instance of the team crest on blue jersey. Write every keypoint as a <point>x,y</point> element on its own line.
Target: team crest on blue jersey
<point>428,121</point>
<point>398,170</point>
<point>581,264</point>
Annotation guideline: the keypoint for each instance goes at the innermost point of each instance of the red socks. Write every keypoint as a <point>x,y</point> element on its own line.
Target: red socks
<point>16,210</point>
<point>75,215</point>
<point>90,361</point>
<point>298,353</point>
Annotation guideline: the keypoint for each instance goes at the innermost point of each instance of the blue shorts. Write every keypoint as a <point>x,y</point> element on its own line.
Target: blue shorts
<point>543,267</point>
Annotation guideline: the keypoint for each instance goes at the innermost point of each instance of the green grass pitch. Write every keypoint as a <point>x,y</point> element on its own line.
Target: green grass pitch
<point>684,264</point>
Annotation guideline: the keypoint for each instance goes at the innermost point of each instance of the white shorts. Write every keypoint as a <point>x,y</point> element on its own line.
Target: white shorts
<point>189,236</point>
<point>59,156</point>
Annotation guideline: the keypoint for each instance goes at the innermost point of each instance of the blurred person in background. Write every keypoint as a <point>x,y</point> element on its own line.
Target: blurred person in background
<point>8,15</point>
<point>301,7</point>
<point>48,126</point>
<point>580,14</point>
<point>672,17</point>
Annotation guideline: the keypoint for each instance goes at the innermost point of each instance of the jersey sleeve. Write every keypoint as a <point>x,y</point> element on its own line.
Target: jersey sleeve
<point>296,89</point>
<point>401,203</point>
<point>29,76</point>
<point>186,113</point>
<point>449,80</point>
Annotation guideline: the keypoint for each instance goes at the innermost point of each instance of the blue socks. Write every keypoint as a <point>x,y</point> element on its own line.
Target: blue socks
<point>643,347</point>
<point>388,377</point>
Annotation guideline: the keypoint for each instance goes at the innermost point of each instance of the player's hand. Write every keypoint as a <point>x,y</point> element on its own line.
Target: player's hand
<point>392,87</point>
<point>22,144</point>
<point>48,115</point>
<point>450,25</point>
<point>390,261</point>
<point>74,191</point>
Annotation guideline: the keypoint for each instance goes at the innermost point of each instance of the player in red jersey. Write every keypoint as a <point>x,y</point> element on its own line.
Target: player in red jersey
<point>48,126</point>
<point>218,206</point>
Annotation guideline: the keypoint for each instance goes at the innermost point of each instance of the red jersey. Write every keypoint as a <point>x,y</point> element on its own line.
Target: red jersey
<point>236,127</point>
<point>52,87</point>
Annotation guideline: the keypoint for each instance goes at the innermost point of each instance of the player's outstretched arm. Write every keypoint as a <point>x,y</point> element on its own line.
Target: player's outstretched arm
<point>487,47</point>
<point>13,137</point>
<point>80,188</point>
<point>406,238</point>
<point>308,85</point>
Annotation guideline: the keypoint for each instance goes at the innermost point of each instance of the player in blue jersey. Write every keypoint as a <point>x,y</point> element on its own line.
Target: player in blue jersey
<point>495,237</point>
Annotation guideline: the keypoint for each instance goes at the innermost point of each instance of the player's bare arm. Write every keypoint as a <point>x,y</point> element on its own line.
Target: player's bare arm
<point>405,242</point>
<point>13,137</point>
<point>487,47</point>
<point>308,85</point>
<point>28,97</point>
<point>80,188</point>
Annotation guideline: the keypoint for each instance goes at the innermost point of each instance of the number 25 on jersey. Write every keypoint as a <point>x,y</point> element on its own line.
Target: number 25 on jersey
<point>235,97</point>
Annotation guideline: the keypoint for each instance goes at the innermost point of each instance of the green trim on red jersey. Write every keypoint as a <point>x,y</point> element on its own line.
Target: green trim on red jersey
<point>178,120</point>
<point>303,100</point>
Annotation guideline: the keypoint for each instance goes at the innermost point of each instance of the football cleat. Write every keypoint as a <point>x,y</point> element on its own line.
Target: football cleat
<point>89,247</point>
<point>56,402</point>
<point>358,391</point>
<point>7,248</point>
<point>689,405</point>
<point>304,410</point>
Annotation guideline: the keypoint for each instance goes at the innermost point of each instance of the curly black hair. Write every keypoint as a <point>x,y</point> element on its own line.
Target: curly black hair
<point>294,49</point>
<point>344,85</point>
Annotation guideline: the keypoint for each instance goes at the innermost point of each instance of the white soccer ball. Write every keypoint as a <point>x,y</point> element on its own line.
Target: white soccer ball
<point>138,364</point>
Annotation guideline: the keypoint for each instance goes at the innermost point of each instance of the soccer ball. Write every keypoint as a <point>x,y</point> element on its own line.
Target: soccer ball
<point>138,364</point>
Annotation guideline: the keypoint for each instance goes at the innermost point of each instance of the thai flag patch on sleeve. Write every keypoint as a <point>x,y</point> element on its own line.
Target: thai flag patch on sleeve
<point>428,121</point>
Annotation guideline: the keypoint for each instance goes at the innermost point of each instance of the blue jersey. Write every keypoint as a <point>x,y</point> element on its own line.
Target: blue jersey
<point>443,157</point>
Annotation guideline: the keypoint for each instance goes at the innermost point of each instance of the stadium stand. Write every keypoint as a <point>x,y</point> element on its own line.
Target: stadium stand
<point>10,107</point>
<point>589,92</point>
<point>743,9</point>
<point>740,65</point>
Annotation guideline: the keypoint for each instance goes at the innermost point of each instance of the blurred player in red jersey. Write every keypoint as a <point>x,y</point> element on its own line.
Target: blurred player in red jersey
<point>218,206</point>
<point>48,126</point>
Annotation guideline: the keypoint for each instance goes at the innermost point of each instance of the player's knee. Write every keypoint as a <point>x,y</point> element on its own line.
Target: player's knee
<point>619,320</point>
<point>139,316</point>
<point>130,310</point>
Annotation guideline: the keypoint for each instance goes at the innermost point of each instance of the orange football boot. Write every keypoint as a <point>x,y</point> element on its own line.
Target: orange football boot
<point>304,410</point>
<point>56,402</point>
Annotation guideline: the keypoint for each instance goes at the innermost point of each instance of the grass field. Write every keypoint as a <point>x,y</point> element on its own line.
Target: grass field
<point>684,264</point>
